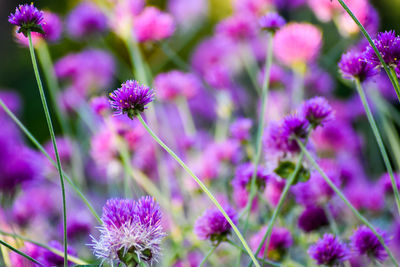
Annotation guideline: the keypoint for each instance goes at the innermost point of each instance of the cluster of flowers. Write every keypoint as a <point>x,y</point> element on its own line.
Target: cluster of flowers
<point>208,112</point>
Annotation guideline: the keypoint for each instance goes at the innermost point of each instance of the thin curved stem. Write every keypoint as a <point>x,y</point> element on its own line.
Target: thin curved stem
<point>369,39</point>
<point>44,152</point>
<point>210,252</point>
<point>379,140</point>
<point>53,140</point>
<point>20,252</point>
<point>346,201</point>
<point>202,186</point>
<point>55,251</point>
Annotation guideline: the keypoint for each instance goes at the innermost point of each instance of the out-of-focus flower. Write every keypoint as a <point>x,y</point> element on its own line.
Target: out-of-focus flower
<point>317,111</point>
<point>353,65</point>
<point>130,230</point>
<point>293,125</point>
<point>366,243</point>
<point>213,225</point>
<point>237,28</point>
<point>244,174</point>
<point>65,149</point>
<point>386,184</point>
<point>188,13</point>
<point>240,129</point>
<point>329,251</point>
<point>86,19</point>
<point>131,98</point>
<point>52,26</point>
<point>100,105</point>
<point>312,218</point>
<point>253,7</point>
<point>174,84</point>
<point>297,43</point>
<point>12,101</point>
<point>32,250</point>
<point>52,259</point>
<point>153,25</point>
<point>280,240</point>
<point>318,81</point>
<point>272,22</point>
<point>28,18</point>
<point>388,44</point>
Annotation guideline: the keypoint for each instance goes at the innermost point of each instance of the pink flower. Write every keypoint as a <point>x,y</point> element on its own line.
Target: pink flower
<point>153,25</point>
<point>297,43</point>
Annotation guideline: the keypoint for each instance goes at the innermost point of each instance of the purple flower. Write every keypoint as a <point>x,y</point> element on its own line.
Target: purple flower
<point>272,22</point>
<point>213,225</point>
<point>153,25</point>
<point>52,259</point>
<point>240,129</point>
<point>85,19</point>
<point>131,98</point>
<point>293,125</point>
<point>52,26</point>
<point>329,251</point>
<point>99,105</point>
<point>237,28</point>
<point>317,111</point>
<point>280,240</point>
<point>365,242</point>
<point>130,228</point>
<point>174,84</point>
<point>353,65</point>
<point>30,249</point>
<point>28,18</point>
<point>244,174</point>
<point>388,45</point>
<point>312,218</point>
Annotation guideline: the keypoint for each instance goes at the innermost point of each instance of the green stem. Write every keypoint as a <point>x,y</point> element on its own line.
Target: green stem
<point>137,61</point>
<point>44,152</point>
<point>346,201</point>
<point>210,252</point>
<point>171,54</point>
<point>55,251</point>
<point>20,252</point>
<point>379,140</point>
<point>203,187</point>
<point>369,39</point>
<point>53,139</point>
<point>331,220</point>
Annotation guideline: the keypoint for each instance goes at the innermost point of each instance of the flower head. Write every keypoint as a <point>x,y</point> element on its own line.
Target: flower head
<point>130,229</point>
<point>329,251</point>
<point>353,65</point>
<point>237,28</point>
<point>52,259</point>
<point>280,240</point>
<point>244,173</point>
<point>293,125</point>
<point>153,25</point>
<point>240,129</point>
<point>174,84</point>
<point>52,27</point>
<point>272,22</point>
<point>297,43</point>
<point>131,98</point>
<point>388,45</point>
<point>28,18</point>
<point>317,111</point>
<point>213,225</point>
<point>365,242</point>
<point>312,218</point>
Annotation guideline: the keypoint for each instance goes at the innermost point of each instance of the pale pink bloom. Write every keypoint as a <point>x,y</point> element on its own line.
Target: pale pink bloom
<point>123,15</point>
<point>297,43</point>
<point>254,7</point>
<point>188,13</point>
<point>153,25</point>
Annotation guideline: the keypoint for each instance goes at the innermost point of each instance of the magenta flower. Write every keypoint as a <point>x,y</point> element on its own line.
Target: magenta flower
<point>52,26</point>
<point>153,25</point>
<point>28,18</point>
<point>272,22</point>
<point>280,240</point>
<point>388,44</point>
<point>317,111</point>
<point>365,242</point>
<point>312,218</point>
<point>329,251</point>
<point>353,65</point>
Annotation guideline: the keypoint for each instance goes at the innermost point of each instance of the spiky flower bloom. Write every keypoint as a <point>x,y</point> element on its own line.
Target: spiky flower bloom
<point>388,45</point>
<point>353,65</point>
<point>244,174</point>
<point>131,231</point>
<point>365,242</point>
<point>131,98</point>
<point>312,218</point>
<point>329,251</point>
<point>272,22</point>
<point>293,125</point>
<point>28,18</point>
<point>317,111</point>
<point>213,225</point>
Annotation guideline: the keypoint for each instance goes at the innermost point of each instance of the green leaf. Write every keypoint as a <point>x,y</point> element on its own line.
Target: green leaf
<point>286,168</point>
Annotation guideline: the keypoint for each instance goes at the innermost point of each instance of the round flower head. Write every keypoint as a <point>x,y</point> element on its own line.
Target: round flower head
<point>388,45</point>
<point>272,22</point>
<point>312,218</point>
<point>51,259</point>
<point>153,25</point>
<point>280,240</point>
<point>240,129</point>
<point>292,126</point>
<point>329,251</point>
<point>130,230</point>
<point>365,242</point>
<point>52,26</point>
<point>237,28</point>
<point>131,98</point>
<point>317,111</point>
<point>28,18</point>
<point>244,174</point>
<point>213,225</point>
<point>297,43</point>
<point>85,19</point>
<point>353,65</point>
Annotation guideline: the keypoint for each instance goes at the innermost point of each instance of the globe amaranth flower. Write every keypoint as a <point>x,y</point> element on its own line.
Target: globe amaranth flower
<point>365,242</point>
<point>52,26</point>
<point>131,231</point>
<point>153,25</point>
<point>388,45</point>
<point>131,98</point>
<point>244,173</point>
<point>49,258</point>
<point>240,129</point>
<point>329,251</point>
<point>353,65</point>
<point>213,225</point>
<point>86,19</point>
<point>317,111</point>
<point>293,126</point>
<point>28,18</point>
<point>312,218</point>
<point>272,22</point>
<point>297,43</point>
<point>237,28</point>
<point>280,240</point>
